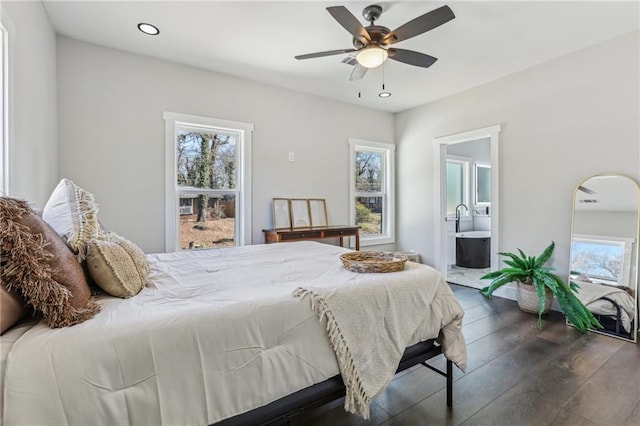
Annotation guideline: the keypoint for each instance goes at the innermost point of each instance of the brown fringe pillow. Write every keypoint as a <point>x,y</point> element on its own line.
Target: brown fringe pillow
<point>12,308</point>
<point>39,265</point>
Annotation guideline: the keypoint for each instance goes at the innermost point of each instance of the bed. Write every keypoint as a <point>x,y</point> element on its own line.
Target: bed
<point>218,334</point>
<point>613,306</point>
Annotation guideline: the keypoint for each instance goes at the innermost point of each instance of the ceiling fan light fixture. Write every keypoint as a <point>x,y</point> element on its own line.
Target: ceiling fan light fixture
<point>371,57</point>
<point>384,94</point>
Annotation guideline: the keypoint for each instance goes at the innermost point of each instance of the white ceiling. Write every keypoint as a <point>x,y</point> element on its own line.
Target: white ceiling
<point>258,40</point>
<point>610,193</point>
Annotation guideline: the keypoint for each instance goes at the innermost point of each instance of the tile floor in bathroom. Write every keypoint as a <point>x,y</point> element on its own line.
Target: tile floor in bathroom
<point>469,277</point>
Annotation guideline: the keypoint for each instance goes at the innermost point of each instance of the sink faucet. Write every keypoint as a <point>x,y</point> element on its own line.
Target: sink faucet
<point>458,215</point>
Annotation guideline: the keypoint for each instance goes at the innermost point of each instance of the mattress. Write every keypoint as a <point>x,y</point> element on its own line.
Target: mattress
<point>217,333</point>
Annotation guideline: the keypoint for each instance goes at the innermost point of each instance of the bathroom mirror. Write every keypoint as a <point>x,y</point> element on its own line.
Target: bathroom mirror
<point>482,181</point>
<point>604,251</point>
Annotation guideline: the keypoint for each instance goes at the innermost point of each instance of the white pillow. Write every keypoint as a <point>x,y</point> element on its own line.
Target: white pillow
<point>117,265</point>
<point>73,213</point>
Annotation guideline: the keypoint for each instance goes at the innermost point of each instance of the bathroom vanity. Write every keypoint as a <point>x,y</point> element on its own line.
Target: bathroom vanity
<point>473,249</point>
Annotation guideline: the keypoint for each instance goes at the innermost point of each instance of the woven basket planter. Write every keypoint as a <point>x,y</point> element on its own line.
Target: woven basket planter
<point>528,299</point>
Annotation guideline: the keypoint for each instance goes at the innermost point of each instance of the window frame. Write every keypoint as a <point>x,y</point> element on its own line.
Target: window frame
<point>628,248</point>
<point>466,186</point>
<point>175,121</point>
<point>388,193</point>
<point>4,109</point>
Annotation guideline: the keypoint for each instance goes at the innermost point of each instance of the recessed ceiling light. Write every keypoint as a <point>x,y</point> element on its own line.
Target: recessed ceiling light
<point>384,94</point>
<point>148,29</point>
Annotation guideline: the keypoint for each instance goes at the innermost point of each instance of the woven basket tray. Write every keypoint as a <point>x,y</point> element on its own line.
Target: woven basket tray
<point>373,261</point>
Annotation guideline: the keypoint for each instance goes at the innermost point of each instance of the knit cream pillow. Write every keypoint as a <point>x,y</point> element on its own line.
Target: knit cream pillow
<point>73,213</point>
<point>118,266</point>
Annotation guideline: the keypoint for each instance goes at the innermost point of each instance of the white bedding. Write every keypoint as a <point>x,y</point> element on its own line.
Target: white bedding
<point>219,334</point>
<point>591,295</point>
<point>8,339</point>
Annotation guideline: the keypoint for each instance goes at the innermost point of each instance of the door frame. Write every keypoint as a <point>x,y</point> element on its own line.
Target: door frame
<point>440,158</point>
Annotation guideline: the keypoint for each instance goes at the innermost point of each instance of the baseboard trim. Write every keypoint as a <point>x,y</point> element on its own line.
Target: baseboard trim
<point>510,292</point>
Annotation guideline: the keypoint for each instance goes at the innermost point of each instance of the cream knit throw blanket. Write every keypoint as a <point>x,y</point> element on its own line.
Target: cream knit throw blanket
<point>372,318</point>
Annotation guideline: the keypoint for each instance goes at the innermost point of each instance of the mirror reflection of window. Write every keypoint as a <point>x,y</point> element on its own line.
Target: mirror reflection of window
<point>483,184</point>
<point>606,260</point>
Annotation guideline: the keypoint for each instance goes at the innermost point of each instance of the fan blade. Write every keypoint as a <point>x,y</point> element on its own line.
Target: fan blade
<point>412,58</point>
<point>419,25</point>
<point>349,61</point>
<point>321,54</point>
<point>586,190</point>
<point>348,22</point>
<point>358,72</point>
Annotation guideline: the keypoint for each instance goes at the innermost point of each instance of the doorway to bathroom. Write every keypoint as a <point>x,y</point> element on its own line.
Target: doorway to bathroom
<point>467,210</point>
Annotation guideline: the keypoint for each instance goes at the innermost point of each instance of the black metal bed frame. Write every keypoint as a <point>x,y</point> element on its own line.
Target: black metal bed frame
<point>605,320</point>
<point>296,404</point>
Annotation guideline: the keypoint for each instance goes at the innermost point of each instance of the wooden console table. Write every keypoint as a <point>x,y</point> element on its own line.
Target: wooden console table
<point>299,234</point>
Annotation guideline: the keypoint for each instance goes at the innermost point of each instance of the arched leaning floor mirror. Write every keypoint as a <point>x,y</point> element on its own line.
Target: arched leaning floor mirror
<point>604,251</point>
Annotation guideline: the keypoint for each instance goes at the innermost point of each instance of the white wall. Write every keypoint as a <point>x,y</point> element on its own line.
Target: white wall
<point>33,146</point>
<point>562,121</point>
<point>111,135</point>
<point>606,223</point>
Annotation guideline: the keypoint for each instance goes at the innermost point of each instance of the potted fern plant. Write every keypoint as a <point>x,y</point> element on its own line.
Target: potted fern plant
<point>537,284</point>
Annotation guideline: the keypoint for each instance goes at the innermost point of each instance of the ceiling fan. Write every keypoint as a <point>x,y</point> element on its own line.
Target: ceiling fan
<point>586,190</point>
<point>371,44</point>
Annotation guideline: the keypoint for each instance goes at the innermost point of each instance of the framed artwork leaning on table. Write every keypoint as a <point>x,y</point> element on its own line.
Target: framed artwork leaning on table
<point>300,213</point>
<point>318,212</point>
<point>281,213</point>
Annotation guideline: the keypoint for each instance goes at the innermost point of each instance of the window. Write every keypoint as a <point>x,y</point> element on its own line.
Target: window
<point>372,182</point>
<point>457,184</point>
<point>4,113</point>
<point>604,259</point>
<point>208,180</point>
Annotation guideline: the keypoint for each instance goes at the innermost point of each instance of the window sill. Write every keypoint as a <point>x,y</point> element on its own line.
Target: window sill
<point>375,241</point>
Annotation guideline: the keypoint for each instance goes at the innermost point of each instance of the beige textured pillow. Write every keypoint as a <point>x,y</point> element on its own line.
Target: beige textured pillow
<point>117,265</point>
<point>72,212</point>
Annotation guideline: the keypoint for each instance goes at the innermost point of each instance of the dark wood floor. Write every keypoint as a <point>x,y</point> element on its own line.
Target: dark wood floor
<point>516,376</point>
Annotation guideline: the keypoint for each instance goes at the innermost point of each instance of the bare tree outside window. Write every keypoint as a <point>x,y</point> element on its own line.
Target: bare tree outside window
<point>206,160</point>
<point>597,259</point>
<point>369,176</point>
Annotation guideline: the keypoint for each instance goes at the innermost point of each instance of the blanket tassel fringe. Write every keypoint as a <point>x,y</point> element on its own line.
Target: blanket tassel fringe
<point>356,400</point>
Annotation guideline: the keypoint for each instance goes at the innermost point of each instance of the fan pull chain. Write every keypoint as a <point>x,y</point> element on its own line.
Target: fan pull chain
<point>384,93</point>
